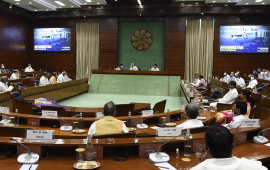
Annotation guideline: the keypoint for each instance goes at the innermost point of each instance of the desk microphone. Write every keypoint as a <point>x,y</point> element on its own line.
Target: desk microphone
<point>26,158</point>
<point>4,120</point>
<point>110,68</point>
<point>145,126</point>
<point>65,127</point>
<point>260,139</point>
<point>158,157</point>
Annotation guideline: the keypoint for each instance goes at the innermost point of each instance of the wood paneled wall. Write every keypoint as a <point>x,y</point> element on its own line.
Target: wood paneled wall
<point>55,61</point>
<point>14,41</point>
<point>234,61</point>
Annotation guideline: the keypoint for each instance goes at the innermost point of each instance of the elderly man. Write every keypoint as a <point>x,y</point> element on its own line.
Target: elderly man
<point>3,85</point>
<point>44,79</point>
<point>63,77</point>
<point>108,124</point>
<point>15,75</point>
<point>197,81</point>
<point>155,68</point>
<point>192,112</point>
<point>29,68</point>
<point>132,67</point>
<point>3,70</point>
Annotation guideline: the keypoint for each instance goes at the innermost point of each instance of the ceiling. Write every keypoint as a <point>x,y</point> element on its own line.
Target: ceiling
<point>51,5</point>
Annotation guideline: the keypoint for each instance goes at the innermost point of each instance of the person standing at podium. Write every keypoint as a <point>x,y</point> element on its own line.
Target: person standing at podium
<point>44,79</point>
<point>155,68</point>
<point>108,124</point>
<point>29,68</point>
<point>3,85</point>
<point>132,67</point>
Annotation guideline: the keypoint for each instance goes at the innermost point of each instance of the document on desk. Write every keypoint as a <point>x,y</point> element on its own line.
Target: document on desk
<point>27,167</point>
<point>154,127</point>
<point>165,166</point>
<point>268,144</point>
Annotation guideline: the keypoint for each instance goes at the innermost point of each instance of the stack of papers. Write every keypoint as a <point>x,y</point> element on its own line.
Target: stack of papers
<point>27,167</point>
<point>268,144</point>
<point>154,127</point>
<point>166,166</point>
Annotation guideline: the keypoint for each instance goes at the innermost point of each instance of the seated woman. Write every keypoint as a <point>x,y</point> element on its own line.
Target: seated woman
<point>220,117</point>
<point>202,84</point>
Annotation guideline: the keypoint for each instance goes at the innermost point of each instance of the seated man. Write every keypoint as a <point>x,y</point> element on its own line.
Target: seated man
<point>132,67</point>
<point>3,70</point>
<point>29,68</point>
<point>239,81</point>
<point>3,85</point>
<point>53,79</point>
<point>120,67</point>
<point>197,80</point>
<point>253,82</point>
<point>63,77</point>
<point>108,124</point>
<point>155,68</point>
<point>226,77</point>
<point>15,75</point>
<point>240,111</point>
<point>230,97</point>
<point>219,141</point>
<point>44,79</point>
<point>232,77</point>
<point>192,112</point>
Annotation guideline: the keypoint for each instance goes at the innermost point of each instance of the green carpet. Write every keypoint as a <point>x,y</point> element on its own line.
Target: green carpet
<point>98,100</point>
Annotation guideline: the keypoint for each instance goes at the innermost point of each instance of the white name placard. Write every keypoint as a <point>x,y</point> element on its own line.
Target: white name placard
<point>99,115</point>
<point>169,131</point>
<point>147,112</point>
<point>250,123</point>
<point>4,109</point>
<point>49,113</point>
<point>39,134</point>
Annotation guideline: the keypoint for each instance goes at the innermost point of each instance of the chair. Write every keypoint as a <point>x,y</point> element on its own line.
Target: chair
<point>43,69</point>
<point>247,82</point>
<point>224,106</point>
<point>37,82</point>
<point>23,70</point>
<point>11,70</point>
<point>215,95</point>
<point>116,135</point>
<point>206,92</point>
<point>19,85</point>
<point>198,130</point>
<point>14,132</point>
<point>23,76</point>
<point>252,111</point>
<point>123,109</point>
<point>60,110</point>
<point>24,107</point>
<point>17,95</point>
<point>207,87</point>
<point>39,75</point>
<point>160,106</point>
<point>262,87</point>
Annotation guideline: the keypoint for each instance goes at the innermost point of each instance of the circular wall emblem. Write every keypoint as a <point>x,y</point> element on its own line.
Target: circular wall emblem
<point>141,39</point>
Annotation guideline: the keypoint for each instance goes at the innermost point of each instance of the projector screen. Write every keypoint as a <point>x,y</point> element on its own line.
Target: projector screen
<point>52,39</point>
<point>244,39</point>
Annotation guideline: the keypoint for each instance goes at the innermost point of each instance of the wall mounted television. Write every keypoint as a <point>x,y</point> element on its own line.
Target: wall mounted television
<point>244,39</point>
<point>52,39</point>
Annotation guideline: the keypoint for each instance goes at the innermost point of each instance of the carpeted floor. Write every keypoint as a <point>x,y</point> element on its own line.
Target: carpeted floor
<point>98,100</point>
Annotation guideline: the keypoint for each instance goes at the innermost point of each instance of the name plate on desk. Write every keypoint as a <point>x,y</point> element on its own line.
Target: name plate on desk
<point>169,131</point>
<point>49,113</point>
<point>39,134</point>
<point>250,123</point>
<point>4,109</point>
<point>147,112</point>
<point>99,115</point>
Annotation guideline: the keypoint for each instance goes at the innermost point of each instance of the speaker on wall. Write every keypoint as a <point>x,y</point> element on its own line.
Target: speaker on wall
<point>50,20</point>
<point>247,16</point>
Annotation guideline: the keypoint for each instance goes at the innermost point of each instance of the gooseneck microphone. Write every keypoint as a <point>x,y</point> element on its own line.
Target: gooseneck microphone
<point>66,126</point>
<point>260,139</point>
<point>145,126</point>
<point>26,158</point>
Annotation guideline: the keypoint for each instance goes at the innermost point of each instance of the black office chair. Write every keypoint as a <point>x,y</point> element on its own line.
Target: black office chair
<point>43,69</point>
<point>11,70</point>
<point>19,85</point>
<point>17,95</point>
<point>262,87</point>
<point>37,82</point>
<point>23,70</point>
<point>38,75</point>
<point>23,76</point>
<point>205,91</point>
<point>215,95</point>
<point>247,82</point>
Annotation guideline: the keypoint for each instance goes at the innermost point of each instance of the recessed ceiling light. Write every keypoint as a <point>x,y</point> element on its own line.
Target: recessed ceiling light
<point>84,16</point>
<point>71,6</point>
<point>17,3</point>
<point>139,2</point>
<point>35,10</point>
<point>229,1</point>
<point>98,3</point>
<point>30,2</point>
<point>60,7</point>
<point>47,10</point>
<point>196,3</point>
<point>262,3</point>
<point>115,0</point>
<point>10,6</point>
<point>84,3</point>
<point>17,0</point>
<point>214,1</point>
<point>202,13</point>
<point>88,0</point>
<point>59,3</point>
<point>246,3</point>
<point>89,7</point>
<point>140,14</point>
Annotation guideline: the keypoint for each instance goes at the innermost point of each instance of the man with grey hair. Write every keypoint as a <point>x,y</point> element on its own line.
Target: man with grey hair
<point>3,85</point>
<point>192,112</point>
<point>108,124</point>
<point>63,77</point>
<point>132,67</point>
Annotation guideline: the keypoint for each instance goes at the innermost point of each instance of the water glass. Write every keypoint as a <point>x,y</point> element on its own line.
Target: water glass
<point>80,154</point>
<point>75,125</point>
<point>199,148</point>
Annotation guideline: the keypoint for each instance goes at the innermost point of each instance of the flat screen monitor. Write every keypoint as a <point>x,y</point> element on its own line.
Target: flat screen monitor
<point>52,39</point>
<point>244,39</point>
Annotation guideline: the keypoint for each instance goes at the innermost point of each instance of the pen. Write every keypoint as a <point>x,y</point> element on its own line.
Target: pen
<point>163,167</point>
<point>30,167</point>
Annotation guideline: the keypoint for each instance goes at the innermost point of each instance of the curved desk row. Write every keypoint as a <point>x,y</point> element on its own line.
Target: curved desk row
<point>24,73</point>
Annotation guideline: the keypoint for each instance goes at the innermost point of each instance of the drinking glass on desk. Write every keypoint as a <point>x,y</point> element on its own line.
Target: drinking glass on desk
<point>79,154</point>
<point>75,125</point>
<point>198,153</point>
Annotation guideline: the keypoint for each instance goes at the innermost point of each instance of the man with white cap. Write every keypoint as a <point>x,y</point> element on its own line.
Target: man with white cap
<point>132,67</point>
<point>63,77</point>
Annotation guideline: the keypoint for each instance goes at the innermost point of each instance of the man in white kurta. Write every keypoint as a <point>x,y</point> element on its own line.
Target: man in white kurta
<point>253,82</point>
<point>192,112</point>
<point>230,97</point>
<point>44,79</point>
<point>29,68</point>
<point>197,80</point>
<point>132,67</point>
<point>3,85</point>
<point>63,77</point>
<point>15,75</point>
<point>219,141</point>
<point>239,81</point>
<point>155,68</point>
<point>226,77</point>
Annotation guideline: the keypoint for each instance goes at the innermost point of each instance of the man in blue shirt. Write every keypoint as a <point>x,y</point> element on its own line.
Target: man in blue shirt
<point>232,77</point>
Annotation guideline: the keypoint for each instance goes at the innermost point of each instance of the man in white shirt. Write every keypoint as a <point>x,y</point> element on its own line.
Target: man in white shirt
<point>120,67</point>
<point>253,82</point>
<point>226,77</point>
<point>44,79</point>
<point>3,85</point>
<point>132,67</point>
<point>197,80</point>
<point>219,141</point>
<point>239,109</point>
<point>230,97</point>
<point>155,68</point>
<point>108,124</point>
<point>2,69</point>
<point>29,68</point>
<point>239,81</point>
<point>192,112</point>
<point>15,75</point>
<point>63,77</point>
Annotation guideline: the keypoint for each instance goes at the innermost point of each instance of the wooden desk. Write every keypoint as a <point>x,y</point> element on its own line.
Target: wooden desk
<point>166,73</point>
<point>28,82</point>
<point>23,73</point>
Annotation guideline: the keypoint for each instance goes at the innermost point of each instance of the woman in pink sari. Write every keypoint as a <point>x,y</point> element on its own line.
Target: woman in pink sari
<point>246,96</point>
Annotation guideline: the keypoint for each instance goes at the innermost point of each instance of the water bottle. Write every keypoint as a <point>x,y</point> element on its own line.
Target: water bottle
<point>187,145</point>
<point>16,118</point>
<point>89,150</point>
<point>129,122</point>
<point>81,122</point>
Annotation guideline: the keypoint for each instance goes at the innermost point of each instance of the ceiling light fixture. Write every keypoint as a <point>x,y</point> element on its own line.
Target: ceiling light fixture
<point>76,2</point>
<point>139,2</point>
<point>202,13</point>
<point>88,0</point>
<point>46,4</point>
<point>214,1</point>
<point>35,10</point>
<point>84,3</point>
<point>60,3</point>
<point>246,3</point>
<point>140,14</point>
<point>47,10</point>
<point>71,6</point>
<point>98,3</point>
<point>17,0</point>
<point>229,1</point>
<point>84,16</point>
<point>17,3</point>
<point>10,6</point>
<point>262,3</point>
